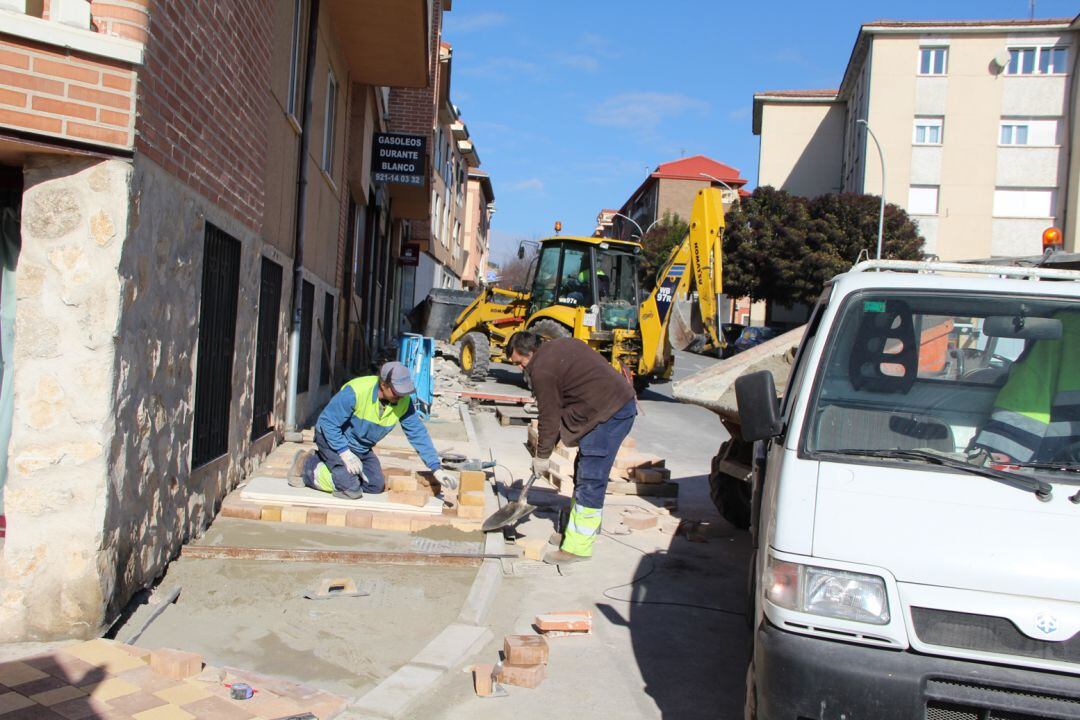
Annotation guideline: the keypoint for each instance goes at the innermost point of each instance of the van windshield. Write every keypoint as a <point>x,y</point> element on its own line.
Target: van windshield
<point>990,380</point>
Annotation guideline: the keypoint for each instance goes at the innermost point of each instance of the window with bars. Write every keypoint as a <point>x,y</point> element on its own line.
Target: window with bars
<point>217,337</point>
<point>266,348</point>
<point>307,308</point>
<point>326,338</point>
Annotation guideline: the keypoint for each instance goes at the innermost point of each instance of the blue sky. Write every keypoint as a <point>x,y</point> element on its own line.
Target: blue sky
<point>571,104</point>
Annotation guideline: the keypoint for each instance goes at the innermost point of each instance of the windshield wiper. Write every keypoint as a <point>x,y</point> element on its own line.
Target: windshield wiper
<point>1042,489</point>
<point>1063,467</point>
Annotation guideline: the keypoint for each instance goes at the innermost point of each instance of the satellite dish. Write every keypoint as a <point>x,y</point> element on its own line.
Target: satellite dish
<point>1002,58</point>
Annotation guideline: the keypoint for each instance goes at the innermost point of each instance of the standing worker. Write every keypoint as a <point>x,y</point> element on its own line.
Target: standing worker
<point>583,401</point>
<point>363,412</point>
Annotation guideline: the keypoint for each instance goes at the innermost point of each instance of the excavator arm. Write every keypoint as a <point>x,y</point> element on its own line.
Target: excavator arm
<point>700,257</point>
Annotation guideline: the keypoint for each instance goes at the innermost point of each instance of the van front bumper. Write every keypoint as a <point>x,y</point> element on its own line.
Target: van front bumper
<point>799,676</point>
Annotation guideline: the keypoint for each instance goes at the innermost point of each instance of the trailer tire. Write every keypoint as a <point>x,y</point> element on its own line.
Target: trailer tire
<point>550,329</point>
<point>475,355</point>
<point>730,494</point>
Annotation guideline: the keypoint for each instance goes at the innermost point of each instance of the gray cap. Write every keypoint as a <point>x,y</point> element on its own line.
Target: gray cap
<point>398,378</point>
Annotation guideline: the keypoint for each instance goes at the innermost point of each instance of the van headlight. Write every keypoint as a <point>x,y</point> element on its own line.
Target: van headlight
<point>827,592</point>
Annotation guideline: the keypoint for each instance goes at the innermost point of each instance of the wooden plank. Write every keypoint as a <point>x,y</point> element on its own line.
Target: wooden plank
<point>339,557</point>
<point>667,489</point>
<point>495,397</point>
<point>513,416</point>
<point>268,491</point>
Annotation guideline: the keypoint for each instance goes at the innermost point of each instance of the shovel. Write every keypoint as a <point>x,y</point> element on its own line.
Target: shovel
<point>511,512</point>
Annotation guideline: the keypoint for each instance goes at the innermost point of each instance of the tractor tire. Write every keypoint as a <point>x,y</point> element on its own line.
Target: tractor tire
<point>641,384</point>
<point>475,355</point>
<point>550,329</point>
<point>730,494</point>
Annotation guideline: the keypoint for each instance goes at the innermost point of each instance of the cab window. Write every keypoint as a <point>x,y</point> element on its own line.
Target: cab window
<point>575,282</point>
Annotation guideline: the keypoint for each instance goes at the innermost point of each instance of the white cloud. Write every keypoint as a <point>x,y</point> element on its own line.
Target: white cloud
<point>581,62</point>
<point>642,110</point>
<point>460,24</point>
<point>529,184</point>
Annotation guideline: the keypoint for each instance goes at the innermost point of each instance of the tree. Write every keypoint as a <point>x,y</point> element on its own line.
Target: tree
<point>514,270</point>
<point>783,248</point>
<point>657,246</point>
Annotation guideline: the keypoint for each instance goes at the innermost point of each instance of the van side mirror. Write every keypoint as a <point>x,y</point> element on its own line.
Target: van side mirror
<point>759,409</point>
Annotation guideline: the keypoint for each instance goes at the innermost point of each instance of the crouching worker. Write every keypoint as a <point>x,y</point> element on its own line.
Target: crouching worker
<point>363,412</point>
<point>583,401</point>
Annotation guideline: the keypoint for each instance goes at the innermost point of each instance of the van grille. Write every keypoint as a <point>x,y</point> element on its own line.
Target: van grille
<point>949,699</point>
<point>986,633</point>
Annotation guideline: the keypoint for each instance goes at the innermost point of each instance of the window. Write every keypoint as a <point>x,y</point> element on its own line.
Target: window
<point>547,276</point>
<point>575,285</point>
<point>923,200</point>
<point>927,131</point>
<point>307,307</point>
<point>1041,132</point>
<point>266,350</point>
<point>217,335</point>
<point>328,126</point>
<point>326,339</point>
<point>294,57</point>
<point>1024,61</point>
<point>932,60</point>
<point>1024,202</point>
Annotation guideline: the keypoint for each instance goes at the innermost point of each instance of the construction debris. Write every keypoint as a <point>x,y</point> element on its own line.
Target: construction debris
<point>525,650</point>
<point>327,588</point>
<point>565,623</point>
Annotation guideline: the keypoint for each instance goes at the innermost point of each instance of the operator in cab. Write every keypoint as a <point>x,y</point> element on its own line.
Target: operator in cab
<point>583,401</point>
<point>363,412</point>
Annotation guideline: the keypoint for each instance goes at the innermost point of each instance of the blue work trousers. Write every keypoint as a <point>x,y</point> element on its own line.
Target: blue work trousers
<point>596,455</point>
<point>370,480</point>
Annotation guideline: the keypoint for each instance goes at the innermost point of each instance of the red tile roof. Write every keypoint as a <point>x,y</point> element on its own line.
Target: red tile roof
<point>690,168</point>
<point>830,93</point>
<point>965,23</point>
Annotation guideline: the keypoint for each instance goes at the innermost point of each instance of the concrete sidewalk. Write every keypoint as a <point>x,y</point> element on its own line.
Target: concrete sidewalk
<point>680,649</point>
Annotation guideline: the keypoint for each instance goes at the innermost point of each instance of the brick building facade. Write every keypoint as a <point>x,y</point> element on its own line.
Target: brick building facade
<point>185,203</point>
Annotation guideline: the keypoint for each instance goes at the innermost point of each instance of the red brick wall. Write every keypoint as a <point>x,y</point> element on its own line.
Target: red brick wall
<point>61,93</point>
<point>201,99</point>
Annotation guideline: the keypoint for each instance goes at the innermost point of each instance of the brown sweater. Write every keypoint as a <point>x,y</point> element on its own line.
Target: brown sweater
<point>576,389</point>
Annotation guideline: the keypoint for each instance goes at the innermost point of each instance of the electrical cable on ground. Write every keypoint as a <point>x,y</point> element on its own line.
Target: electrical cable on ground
<point>647,573</point>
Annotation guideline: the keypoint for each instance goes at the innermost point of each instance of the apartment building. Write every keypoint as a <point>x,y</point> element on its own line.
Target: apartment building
<point>975,121</point>
<point>479,207</point>
<point>671,188</point>
<point>186,206</point>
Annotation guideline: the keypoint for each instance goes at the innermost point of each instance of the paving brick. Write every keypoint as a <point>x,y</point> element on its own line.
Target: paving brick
<point>57,695</point>
<point>293,514</point>
<point>417,498</point>
<point>175,664</point>
<point>403,483</point>
<point>398,522</point>
<point>471,498</point>
<point>525,650</point>
<point>183,693</point>
<point>528,676</point>
<point>482,682</point>
<point>639,521</point>
<point>64,666</point>
<point>356,518</point>
<point>13,674</point>
<point>146,679</point>
<point>11,701</point>
<point>650,474</point>
<point>336,517</point>
<point>534,548</point>
<point>232,506</point>
<point>565,621</point>
<point>80,708</point>
<point>136,703</point>
<point>110,688</point>
<point>213,708</point>
<point>472,481</point>
<point>42,684</point>
<point>316,516</point>
<point>165,712</point>
<point>271,513</point>
<point>470,512</point>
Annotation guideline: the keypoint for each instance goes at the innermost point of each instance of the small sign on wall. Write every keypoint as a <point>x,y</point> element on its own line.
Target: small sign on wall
<point>399,159</point>
<point>410,254</point>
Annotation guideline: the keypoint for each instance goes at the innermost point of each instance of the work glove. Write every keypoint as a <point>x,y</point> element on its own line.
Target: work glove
<point>446,480</point>
<point>352,463</point>
<point>540,466</point>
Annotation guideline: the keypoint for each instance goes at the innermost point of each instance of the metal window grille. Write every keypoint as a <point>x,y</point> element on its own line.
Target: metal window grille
<point>326,338</point>
<point>307,308</point>
<point>266,347</point>
<point>217,335</point>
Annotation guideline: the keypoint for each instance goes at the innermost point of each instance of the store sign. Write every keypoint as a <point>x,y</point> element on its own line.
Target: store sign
<point>399,159</point>
<point>410,254</point>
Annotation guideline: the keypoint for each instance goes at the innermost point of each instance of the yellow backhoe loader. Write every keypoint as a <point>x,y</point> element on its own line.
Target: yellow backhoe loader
<point>587,288</point>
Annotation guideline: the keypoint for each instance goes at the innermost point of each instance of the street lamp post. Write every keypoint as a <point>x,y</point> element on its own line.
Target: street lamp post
<point>642,234</point>
<point>881,212</point>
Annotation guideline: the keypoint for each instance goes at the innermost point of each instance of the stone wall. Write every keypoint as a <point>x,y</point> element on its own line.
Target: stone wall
<point>56,559</point>
<point>158,501</point>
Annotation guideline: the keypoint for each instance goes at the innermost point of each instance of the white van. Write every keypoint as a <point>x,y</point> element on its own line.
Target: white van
<point>916,510</point>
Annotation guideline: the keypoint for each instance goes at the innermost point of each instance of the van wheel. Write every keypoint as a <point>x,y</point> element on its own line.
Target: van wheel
<point>550,329</point>
<point>475,355</point>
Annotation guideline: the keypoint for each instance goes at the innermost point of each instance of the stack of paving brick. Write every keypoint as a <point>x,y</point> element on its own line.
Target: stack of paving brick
<point>524,664</point>
<point>408,483</point>
<point>634,473</point>
<point>107,679</point>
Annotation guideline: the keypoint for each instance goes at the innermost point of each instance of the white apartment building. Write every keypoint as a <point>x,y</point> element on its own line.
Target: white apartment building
<point>975,121</point>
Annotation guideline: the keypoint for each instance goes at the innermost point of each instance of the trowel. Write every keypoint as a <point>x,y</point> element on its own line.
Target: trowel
<point>510,513</point>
